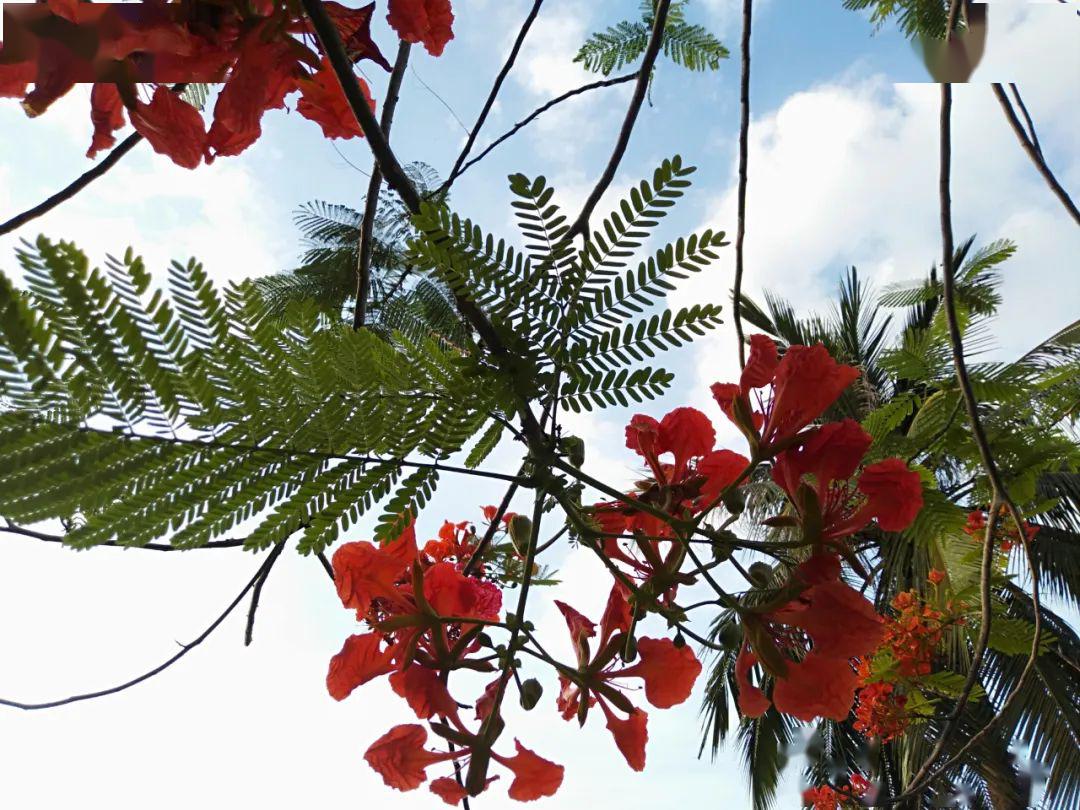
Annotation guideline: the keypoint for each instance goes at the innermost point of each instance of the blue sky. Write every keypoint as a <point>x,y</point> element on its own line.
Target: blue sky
<point>843,167</point>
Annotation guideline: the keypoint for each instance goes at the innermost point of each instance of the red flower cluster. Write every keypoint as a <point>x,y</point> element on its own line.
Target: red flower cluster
<point>419,606</point>
<point>826,797</point>
<point>881,712</point>
<point>252,47</point>
<point>668,671</point>
<point>1004,532</point>
<point>840,624</point>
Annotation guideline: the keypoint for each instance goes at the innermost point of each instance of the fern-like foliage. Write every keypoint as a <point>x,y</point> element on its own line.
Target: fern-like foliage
<point>690,46</point>
<point>138,413</point>
<point>926,18</point>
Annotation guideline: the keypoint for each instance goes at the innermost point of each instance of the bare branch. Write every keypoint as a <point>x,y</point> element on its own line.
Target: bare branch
<point>536,114</point>
<point>184,650</point>
<point>249,629</point>
<point>1030,146</point>
<point>744,138</point>
<point>489,535</point>
<point>581,224</point>
<point>454,172</point>
<point>12,528</point>
<point>371,204</point>
<point>80,182</point>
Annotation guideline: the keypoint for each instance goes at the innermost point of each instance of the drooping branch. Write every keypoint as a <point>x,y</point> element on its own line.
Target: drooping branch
<point>744,138</point>
<point>536,114</point>
<point>80,182</point>
<point>334,49</point>
<point>12,528</point>
<point>1031,148</point>
<point>256,593</point>
<point>999,492</point>
<point>184,650</point>
<point>581,224</point>
<point>371,204</point>
<point>495,88</point>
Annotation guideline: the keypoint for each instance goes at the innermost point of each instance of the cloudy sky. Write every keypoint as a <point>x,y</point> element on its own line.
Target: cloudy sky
<point>843,172</point>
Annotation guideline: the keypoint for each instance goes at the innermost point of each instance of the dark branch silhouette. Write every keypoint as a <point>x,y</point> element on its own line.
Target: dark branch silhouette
<point>371,204</point>
<point>514,51</point>
<point>581,224</point>
<point>744,137</point>
<point>249,629</point>
<point>12,528</point>
<point>184,650</point>
<point>1030,146</point>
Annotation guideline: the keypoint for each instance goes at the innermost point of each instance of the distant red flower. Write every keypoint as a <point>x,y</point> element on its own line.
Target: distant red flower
<point>426,21</point>
<point>534,776</point>
<point>880,712</point>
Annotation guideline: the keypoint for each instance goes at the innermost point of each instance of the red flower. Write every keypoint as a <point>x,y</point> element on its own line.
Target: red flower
<point>265,72</point>
<point>354,26</point>
<point>361,659</point>
<point>324,103</point>
<point>720,469</point>
<point>669,672</point>
<point>894,493</point>
<point>424,692</point>
<point>686,433</point>
<point>630,735</point>
<point>752,701</point>
<point>451,593</point>
<point>936,576</point>
<point>881,712</point>
<point>447,789</point>
<point>817,686</point>
<point>426,21</point>
<point>400,758</point>
<point>804,383</point>
<point>617,613</point>
<point>887,490</point>
<point>107,115</point>
<point>172,127</point>
<point>840,620</point>
<point>15,78</point>
<point>363,572</point>
<point>534,776</point>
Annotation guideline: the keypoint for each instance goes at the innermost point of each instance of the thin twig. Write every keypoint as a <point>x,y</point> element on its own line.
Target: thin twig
<point>1033,152</point>
<point>326,565</point>
<point>12,528</point>
<point>371,203</point>
<point>536,114</point>
<point>256,593</point>
<point>514,51</point>
<point>489,535</point>
<point>184,650</point>
<point>581,224</point>
<point>744,138</point>
<point>1027,118</point>
<point>80,182</point>
<point>334,49</point>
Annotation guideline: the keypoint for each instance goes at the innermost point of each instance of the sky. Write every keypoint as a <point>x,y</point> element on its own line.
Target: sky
<point>843,166</point>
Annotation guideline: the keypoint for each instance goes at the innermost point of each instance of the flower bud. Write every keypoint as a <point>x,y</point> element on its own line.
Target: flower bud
<point>520,533</point>
<point>531,692</point>
<point>761,574</point>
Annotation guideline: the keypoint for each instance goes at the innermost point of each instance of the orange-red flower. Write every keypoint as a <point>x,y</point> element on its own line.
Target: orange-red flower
<point>324,102</point>
<point>361,659</point>
<point>448,789</point>
<point>817,686</point>
<point>426,21</point>
<point>172,127</point>
<point>424,692</point>
<point>669,672</point>
<point>107,115</point>
<point>630,734</point>
<point>802,384</point>
<point>400,758</point>
<point>881,712</point>
<point>363,571</point>
<point>534,776</point>
<point>752,700</point>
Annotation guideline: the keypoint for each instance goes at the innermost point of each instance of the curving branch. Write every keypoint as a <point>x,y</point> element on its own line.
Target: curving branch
<point>256,593</point>
<point>514,51</point>
<point>12,528</point>
<point>184,650</point>
<point>744,138</point>
<point>80,182</point>
<point>536,114</point>
<point>1030,145</point>
<point>371,203</point>
<point>580,227</point>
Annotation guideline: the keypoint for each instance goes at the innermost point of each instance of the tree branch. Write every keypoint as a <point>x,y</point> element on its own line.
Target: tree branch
<point>581,224</point>
<point>184,650</point>
<point>454,172</point>
<point>12,528</point>
<point>257,592</point>
<point>744,137</point>
<point>371,203</point>
<point>334,49</point>
<point>80,182</point>
<point>1030,146</point>
<point>536,114</point>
